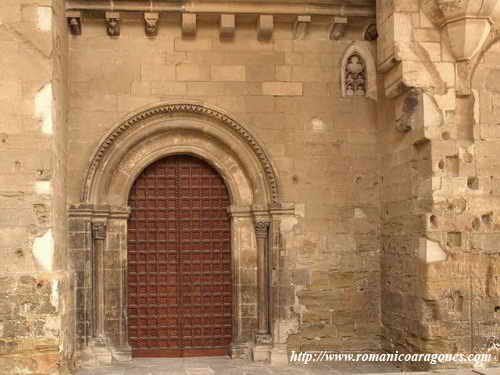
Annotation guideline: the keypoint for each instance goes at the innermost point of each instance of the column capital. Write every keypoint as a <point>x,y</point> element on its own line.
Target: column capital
<point>261,228</point>
<point>99,230</point>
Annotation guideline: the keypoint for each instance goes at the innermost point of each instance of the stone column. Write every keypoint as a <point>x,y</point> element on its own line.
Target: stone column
<point>98,238</point>
<point>263,338</point>
<point>262,233</point>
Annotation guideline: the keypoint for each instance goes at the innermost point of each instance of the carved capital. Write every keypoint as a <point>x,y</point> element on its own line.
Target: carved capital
<point>151,23</point>
<point>261,228</point>
<point>113,23</point>
<point>98,231</point>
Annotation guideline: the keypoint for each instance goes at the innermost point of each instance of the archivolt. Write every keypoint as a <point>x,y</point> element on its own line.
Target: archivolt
<point>180,108</point>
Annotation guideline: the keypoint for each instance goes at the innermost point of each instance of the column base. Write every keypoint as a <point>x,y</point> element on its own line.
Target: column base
<point>279,355</point>
<point>122,353</point>
<point>239,351</point>
<point>263,339</point>
<point>96,354</point>
<point>261,353</point>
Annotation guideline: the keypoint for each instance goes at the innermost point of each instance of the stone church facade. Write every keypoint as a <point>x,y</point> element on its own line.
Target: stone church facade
<point>200,177</point>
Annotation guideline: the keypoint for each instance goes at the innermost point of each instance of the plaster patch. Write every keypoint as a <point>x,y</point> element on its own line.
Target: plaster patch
<point>476,109</point>
<point>54,295</point>
<point>43,187</point>
<point>44,18</point>
<point>318,125</point>
<point>43,108</point>
<point>43,251</point>
<point>359,213</point>
<point>298,307</point>
<point>53,325</point>
<point>431,252</point>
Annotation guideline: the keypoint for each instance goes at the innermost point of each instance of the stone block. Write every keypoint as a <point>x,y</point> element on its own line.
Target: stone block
<point>223,73</point>
<point>188,45</point>
<point>191,72</point>
<point>282,89</point>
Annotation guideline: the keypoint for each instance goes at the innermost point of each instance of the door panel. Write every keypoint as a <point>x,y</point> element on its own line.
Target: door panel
<point>179,261</point>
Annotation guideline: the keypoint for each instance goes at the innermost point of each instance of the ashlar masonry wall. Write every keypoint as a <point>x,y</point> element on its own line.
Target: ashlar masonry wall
<point>36,303</point>
<point>286,92</point>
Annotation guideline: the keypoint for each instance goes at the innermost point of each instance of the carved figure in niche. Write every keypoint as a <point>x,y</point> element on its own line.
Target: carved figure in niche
<point>355,76</point>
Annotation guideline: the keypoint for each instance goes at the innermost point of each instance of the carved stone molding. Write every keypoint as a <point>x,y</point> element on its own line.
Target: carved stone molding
<point>113,23</point>
<point>193,109</point>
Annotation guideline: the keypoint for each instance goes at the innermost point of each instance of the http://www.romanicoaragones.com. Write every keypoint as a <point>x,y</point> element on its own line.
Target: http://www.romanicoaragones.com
<point>435,358</point>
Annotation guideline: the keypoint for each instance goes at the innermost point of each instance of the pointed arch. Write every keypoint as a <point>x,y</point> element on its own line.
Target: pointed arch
<point>358,71</point>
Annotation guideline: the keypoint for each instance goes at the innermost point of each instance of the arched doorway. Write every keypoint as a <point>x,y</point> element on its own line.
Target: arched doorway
<point>179,260</point>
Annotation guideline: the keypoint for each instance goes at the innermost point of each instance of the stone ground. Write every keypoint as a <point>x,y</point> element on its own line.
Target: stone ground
<point>227,366</point>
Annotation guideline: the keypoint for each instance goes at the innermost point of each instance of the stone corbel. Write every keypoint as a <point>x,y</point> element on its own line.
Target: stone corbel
<point>301,26</point>
<point>337,28</point>
<point>74,19</point>
<point>227,25</point>
<point>405,116</point>
<point>188,24</point>
<point>265,26</point>
<point>151,23</point>
<point>113,23</point>
<point>467,35</point>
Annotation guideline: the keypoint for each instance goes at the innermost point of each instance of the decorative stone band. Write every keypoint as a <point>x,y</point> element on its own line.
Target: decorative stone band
<point>194,109</point>
<point>261,229</point>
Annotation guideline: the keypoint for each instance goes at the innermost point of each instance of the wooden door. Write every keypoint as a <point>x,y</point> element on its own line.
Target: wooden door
<point>179,261</point>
